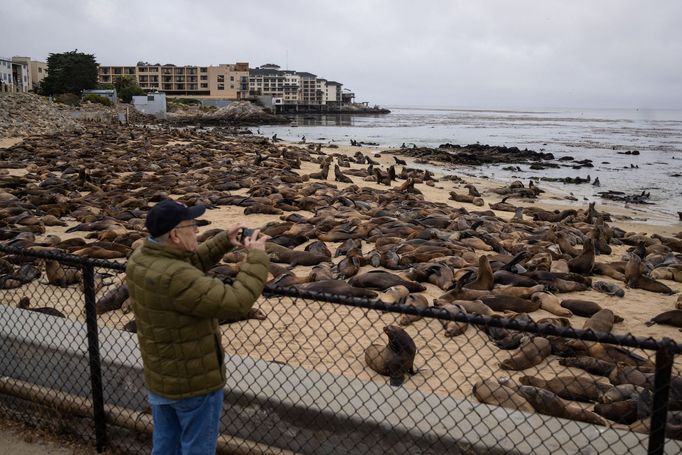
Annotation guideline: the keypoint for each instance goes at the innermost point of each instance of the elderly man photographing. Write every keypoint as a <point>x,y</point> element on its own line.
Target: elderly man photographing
<point>177,308</point>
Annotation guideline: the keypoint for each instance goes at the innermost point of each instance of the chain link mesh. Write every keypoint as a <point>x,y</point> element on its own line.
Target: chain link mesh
<point>325,374</point>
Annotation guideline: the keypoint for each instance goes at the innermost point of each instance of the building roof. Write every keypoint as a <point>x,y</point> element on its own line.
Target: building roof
<point>265,72</point>
<point>334,83</point>
<point>304,74</point>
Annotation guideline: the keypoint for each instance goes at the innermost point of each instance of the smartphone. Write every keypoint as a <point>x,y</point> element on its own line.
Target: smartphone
<point>245,232</point>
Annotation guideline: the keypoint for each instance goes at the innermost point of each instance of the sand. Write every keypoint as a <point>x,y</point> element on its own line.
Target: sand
<point>328,337</point>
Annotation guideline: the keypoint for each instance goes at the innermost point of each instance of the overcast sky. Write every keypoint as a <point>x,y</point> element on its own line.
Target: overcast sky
<point>532,53</point>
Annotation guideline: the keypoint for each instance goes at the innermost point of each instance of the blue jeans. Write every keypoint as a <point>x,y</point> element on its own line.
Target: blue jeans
<point>186,427</point>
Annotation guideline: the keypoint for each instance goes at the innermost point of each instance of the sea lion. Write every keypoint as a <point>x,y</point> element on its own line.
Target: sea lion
<point>620,393</point>
<point>25,302</point>
<point>623,412</point>
<point>551,303</point>
<point>61,276</point>
<point>394,359</point>
<point>672,317</point>
<point>576,388</point>
<point>513,279</point>
<point>584,308</point>
<point>484,280</point>
<point>454,328</point>
<point>506,303</point>
<point>634,278</point>
<point>518,291</point>
<point>583,263</point>
<point>474,306</point>
<point>113,299</point>
<point>318,247</point>
<point>417,301</point>
<point>626,374</point>
<point>432,272</point>
<point>548,403</point>
<point>395,294</point>
<point>607,270</point>
<point>378,279</point>
<point>321,271</point>
<point>507,338</point>
<point>589,364</point>
<point>489,391</point>
<point>348,267</point>
<point>608,288</point>
<point>338,287</point>
<point>601,321</point>
<point>530,353</point>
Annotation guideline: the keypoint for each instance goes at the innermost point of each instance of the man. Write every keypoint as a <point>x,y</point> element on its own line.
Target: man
<point>177,308</point>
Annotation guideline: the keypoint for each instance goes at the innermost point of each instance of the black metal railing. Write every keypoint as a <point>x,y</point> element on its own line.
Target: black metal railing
<point>303,375</point>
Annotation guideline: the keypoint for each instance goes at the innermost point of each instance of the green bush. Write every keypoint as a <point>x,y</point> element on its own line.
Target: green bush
<point>69,99</point>
<point>97,99</point>
<point>187,101</point>
<point>126,94</point>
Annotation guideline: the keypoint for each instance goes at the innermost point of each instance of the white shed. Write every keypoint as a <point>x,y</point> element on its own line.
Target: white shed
<point>151,104</point>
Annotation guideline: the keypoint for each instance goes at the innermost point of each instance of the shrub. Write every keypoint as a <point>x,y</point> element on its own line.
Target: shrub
<point>69,99</point>
<point>97,99</point>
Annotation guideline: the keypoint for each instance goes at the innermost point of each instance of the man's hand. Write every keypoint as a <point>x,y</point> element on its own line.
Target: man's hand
<point>256,241</point>
<point>233,232</point>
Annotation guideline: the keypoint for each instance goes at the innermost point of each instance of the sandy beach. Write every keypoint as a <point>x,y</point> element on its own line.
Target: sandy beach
<point>329,337</point>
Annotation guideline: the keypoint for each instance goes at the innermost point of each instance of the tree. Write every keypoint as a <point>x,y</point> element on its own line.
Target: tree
<point>127,87</point>
<point>70,72</point>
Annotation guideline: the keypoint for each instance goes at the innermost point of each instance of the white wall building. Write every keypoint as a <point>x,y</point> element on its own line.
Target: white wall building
<point>151,104</point>
<point>6,83</point>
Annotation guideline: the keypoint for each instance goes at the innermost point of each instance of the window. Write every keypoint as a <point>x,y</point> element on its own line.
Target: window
<point>204,85</point>
<point>221,86</point>
<point>204,78</point>
<point>221,78</point>
<point>232,86</point>
<point>150,98</point>
<point>231,78</point>
<point>40,70</point>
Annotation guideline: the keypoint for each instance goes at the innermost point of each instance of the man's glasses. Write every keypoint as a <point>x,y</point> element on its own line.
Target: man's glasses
<point>193,225</point>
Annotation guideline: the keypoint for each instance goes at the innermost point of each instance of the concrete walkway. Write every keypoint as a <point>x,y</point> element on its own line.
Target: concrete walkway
<point>17,440</point>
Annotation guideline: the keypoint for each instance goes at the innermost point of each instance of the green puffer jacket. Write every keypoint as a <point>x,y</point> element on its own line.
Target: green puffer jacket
<point>177,308</point>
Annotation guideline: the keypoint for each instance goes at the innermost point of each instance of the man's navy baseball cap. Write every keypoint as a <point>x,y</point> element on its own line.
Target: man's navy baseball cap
<point>167,214</point>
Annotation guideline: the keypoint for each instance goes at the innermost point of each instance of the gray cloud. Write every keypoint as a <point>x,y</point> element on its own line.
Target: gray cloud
<point>459,53</point>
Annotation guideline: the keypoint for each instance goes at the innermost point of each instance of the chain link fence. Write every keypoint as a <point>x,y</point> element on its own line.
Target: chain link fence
<point>322,373</point>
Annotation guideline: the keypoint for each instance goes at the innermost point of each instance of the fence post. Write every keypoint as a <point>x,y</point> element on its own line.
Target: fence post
<point>659,415</point>
<point>93,349</point>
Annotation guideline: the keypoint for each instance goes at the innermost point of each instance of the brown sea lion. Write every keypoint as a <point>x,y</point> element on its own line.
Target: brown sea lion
<point>25,302</point>
<point>490,391</point>
<point>678,303</point>
<point>348,267</point>
<point>626,374</point>
<point>113,299</point>
<point>576,388</point>
<point>61,276</point>
<point>318,247</point>
<point>584,308</point>
<point>672,317</point>
<point>321,271</point>
<point>589,364</point>
<point>601,321</point>
<point>518,291</point>
<point>551,303</point>
<point>395,359</point>
<point>608,288</point>
<point>416,301</point>
<point>559,266</point>
<point>395,294</point>
<point>433,272</point>
<point>621,392</point>
<point>513,279</point>
<point>474,306</point>
<point>453,328</point>
<point>634,278</point>
<point>484,279</point>
<point>506,303</point>
<point>607,270</point>
<point>624,412</point>
<point>338,287</point>
<point>548,403</point>
<point>529,354</point>
<point>378,279</point>
<point>583,263</point>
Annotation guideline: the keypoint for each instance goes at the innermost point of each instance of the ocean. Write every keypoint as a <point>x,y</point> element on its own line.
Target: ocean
<point>604,136</point>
